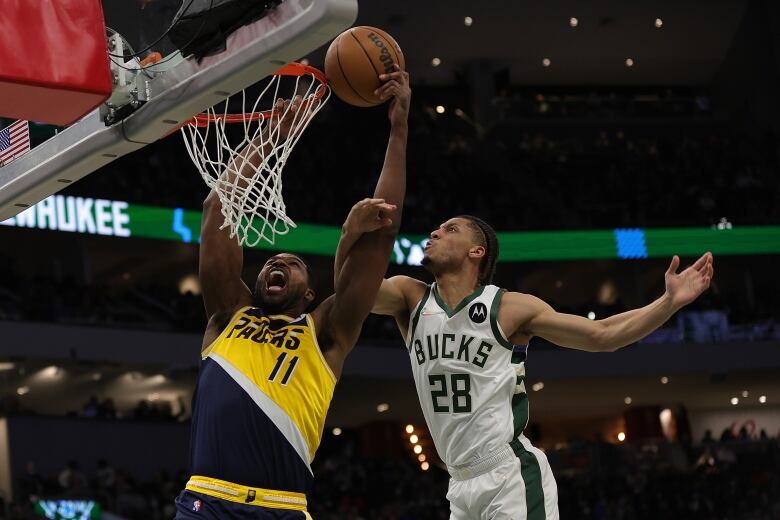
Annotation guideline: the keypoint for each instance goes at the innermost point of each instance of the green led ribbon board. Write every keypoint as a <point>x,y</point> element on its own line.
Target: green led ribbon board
<point>120,219</point>
<point>60,509</point>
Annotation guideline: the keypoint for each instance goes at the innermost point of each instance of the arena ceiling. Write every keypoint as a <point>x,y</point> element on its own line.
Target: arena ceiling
<point>688,49</point>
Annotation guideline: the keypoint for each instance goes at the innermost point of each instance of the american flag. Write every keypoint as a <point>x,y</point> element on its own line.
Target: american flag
<point>14,141</point>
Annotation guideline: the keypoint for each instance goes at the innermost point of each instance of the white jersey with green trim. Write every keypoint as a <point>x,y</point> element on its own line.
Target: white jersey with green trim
<point>471,386</point>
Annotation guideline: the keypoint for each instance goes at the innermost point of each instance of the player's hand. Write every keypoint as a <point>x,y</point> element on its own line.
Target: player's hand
<point>369,215</point>
<point>396,86</point>
<point>686,286</point>
<point>285,113</point>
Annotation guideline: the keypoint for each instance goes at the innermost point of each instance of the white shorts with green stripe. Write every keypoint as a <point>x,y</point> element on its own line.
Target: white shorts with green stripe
<point>520,488</point>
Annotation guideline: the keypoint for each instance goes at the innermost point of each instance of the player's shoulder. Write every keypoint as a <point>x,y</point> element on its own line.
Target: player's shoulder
<point>514,299</point>
<point>412,289</point>
<point>407,283</point>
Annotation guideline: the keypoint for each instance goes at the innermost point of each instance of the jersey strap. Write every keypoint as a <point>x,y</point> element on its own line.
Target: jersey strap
<point>497,332</point>
<point>416,318</point>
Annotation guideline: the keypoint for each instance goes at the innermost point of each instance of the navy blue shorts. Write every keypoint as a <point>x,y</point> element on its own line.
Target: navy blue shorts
<point>196,506</point>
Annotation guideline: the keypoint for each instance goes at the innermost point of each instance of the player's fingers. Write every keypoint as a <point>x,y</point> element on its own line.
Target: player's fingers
<point>370,202</point>
<point>701,261</point>
<point>392,75</point>
<point>674,265</point>
<point>387,207</point>
<point>390,84</point>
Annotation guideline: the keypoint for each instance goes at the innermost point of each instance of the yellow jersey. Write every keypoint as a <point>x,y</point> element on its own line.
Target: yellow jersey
<point>260,402</point>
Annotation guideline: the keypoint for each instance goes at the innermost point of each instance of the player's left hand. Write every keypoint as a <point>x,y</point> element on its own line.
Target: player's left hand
<point>396,86</point>
<point>369,215</point>
<point>686,286</point>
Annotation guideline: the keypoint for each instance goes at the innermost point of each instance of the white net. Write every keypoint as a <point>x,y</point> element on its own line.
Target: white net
<point>241,156</point>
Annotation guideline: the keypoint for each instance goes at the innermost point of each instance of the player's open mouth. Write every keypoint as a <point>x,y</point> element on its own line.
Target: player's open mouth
<point>277,281</point>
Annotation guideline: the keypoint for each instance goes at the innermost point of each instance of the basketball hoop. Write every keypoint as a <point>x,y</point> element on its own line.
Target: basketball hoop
<point>252,202</point>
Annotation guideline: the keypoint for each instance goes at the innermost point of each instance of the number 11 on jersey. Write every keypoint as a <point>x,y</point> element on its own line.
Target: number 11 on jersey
<point>290,368</point>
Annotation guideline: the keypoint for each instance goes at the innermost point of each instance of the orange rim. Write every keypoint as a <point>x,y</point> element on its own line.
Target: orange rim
<point>291,69</point>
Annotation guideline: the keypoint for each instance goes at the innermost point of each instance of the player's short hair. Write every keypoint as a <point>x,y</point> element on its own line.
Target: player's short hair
<point>487,238</point>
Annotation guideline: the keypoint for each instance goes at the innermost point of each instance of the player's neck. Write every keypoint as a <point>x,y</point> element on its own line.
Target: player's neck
<point>453,287</point>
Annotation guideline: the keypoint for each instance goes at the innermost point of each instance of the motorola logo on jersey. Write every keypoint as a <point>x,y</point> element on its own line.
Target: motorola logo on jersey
<point>478,312</point>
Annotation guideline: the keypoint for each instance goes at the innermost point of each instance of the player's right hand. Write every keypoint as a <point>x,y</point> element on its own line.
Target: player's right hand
<point>369,215</point>
<point>285,113</point>
<point>396,86</point>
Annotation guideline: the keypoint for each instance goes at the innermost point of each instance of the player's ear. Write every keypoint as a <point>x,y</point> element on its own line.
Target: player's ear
<point>309,296</point>
<point>477,252</point>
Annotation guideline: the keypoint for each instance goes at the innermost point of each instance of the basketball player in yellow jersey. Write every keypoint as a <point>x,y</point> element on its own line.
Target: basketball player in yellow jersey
<point>269,366</point>
<point>467,343</point>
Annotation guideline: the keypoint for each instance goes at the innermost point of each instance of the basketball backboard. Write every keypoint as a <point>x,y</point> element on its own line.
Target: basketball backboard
<point>171,93</point>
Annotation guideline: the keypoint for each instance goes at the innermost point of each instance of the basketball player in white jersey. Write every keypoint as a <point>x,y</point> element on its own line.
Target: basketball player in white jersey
<point>467,342</point>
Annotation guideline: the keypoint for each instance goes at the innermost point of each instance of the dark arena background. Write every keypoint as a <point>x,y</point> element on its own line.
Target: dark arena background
<point>599,138</point>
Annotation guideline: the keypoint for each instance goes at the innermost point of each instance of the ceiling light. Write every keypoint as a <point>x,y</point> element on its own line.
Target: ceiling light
<point>745,393</point>
<point>425,466</point>
<point>537,386</point>
<point>382,407</point>
<point>546,62</point>
<point>621,436</point>
<point>573,22</point>
<point>762,399</point>
<point>417,449</point>
<point>591,315</point>
<point>659,23</point>
<point>409,428</point>
<point>664,380</point>
<point>336,431</point>
<point>468,21</point>
<point>629,62</point>
<point>413,439</point>
<point>435,62</point>
<point>304,61</point>
<point>23,390</point>
<point>421,458</point>
<point>627,400</point>
<point>439,109</point>
<point>735,401</point>
<point>7,365</point>
<point>51,372</point>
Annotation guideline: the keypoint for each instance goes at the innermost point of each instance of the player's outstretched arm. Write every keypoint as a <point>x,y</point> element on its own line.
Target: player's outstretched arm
<point>221,257</point>
<point>616,331</point>
<point>221,263</point>
<point>369,232</point>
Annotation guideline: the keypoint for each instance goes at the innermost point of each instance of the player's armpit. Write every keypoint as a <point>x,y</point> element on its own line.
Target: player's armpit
<point>398,295</point>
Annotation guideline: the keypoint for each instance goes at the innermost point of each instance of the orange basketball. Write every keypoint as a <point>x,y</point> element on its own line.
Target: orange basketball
<point>354,61</point>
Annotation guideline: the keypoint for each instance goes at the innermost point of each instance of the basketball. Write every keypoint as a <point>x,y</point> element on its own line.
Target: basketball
<point>354,61</point>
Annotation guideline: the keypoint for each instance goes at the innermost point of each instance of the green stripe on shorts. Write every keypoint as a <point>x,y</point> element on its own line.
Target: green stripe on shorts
<point>532,477</point>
